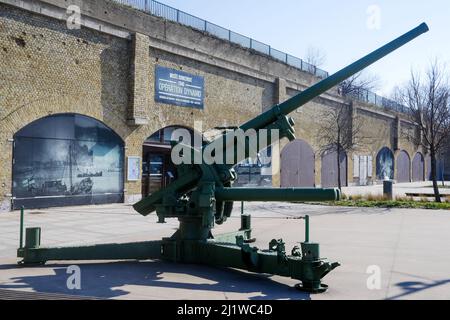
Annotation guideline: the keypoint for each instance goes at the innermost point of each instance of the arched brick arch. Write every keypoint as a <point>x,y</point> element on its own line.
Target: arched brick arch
<point>403,167</point>
<point>45,104</point>
<point>54,104</point>
<point>298,165</point>
<point>166,131</point>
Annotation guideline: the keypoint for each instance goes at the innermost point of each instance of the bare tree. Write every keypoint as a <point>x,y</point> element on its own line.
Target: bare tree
<point>359,84</point>
<point>315,57</point>
<point>428,104</point>
<point>340,131</point>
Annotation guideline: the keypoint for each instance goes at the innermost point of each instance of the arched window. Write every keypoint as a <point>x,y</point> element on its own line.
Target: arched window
<point>65,160</point>
<point>385,164</point>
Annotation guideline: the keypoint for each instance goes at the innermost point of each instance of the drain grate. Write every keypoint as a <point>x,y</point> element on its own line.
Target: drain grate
<point>22,295</point>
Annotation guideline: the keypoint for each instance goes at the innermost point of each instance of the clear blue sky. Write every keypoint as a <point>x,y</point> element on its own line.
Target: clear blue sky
<point>339,28</point>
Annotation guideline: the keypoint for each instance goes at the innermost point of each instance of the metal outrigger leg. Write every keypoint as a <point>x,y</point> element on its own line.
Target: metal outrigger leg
<point>226,250</point>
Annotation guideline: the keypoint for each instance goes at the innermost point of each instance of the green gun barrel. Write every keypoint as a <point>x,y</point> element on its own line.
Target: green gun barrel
<point>277,194</point>
<point>187,182</point>
<point>316,90</point>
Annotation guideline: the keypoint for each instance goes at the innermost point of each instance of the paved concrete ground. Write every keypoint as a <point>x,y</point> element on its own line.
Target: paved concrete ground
<point>400,189</point>
<point>411,247</point>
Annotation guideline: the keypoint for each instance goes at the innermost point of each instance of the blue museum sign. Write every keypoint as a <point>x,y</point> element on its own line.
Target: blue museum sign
<point>179,88</point>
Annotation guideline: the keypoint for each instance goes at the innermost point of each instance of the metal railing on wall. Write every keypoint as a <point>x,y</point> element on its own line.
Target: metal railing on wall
<point>372,98</point>
<point>161,10</point>
<point>164,11</point>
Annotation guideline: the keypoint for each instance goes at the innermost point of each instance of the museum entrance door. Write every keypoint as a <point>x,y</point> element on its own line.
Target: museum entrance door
<point>158,170</point>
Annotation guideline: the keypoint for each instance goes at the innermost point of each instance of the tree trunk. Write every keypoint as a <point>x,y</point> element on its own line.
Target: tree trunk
<point>437,194</point>
<point>339,167</point>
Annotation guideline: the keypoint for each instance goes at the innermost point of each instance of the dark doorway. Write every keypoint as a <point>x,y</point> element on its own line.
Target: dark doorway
<point>158,171</point>
<point>67,160</point>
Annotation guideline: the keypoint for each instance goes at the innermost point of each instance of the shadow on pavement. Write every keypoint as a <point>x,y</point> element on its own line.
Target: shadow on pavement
<point>105,280</point>
<point>411,287</point>
<point>314,210</point>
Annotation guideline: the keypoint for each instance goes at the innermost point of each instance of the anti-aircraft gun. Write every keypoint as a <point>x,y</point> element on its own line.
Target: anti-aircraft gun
<point>202,195</point>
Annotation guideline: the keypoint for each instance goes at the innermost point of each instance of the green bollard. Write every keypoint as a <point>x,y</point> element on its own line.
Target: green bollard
<point>33,238</point>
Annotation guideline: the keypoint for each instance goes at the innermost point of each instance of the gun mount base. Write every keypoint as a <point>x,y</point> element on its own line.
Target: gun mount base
<point>230,250</point>
<point>312,287</point>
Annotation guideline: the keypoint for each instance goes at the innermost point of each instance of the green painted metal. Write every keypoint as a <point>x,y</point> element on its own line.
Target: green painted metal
<point>306,229</point>
<point>231,236</point>
<point>183,183</point>
<point>21,227</point>
<point>243,256</point>
<point>113,251</point>
<point>276,194</point>
<point>316,90</point>
<point>202,196</point>
<point>32,238</point>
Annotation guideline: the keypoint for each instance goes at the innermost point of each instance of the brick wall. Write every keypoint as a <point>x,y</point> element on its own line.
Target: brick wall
<point>48,69</point>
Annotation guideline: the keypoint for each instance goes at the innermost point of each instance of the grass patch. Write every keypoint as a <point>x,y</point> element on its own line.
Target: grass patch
<point>380,201</point>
